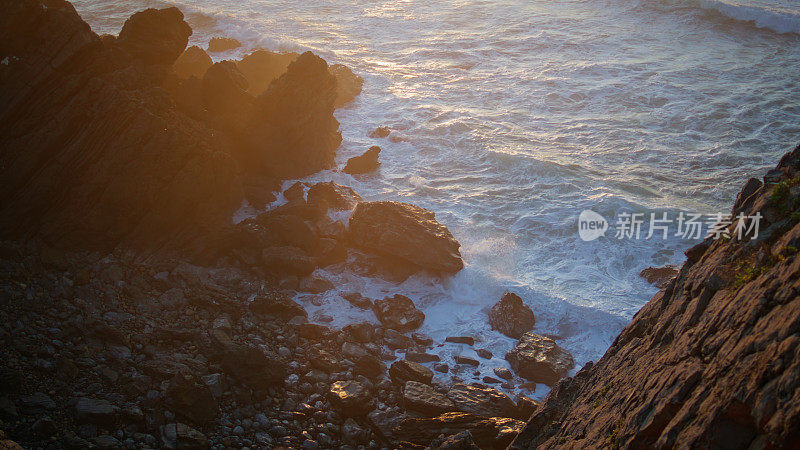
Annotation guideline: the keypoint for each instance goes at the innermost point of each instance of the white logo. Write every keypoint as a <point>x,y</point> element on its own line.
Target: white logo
<point>591,225</point>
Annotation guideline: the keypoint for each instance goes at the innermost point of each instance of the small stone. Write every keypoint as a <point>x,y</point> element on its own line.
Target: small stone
<point>466,360</point>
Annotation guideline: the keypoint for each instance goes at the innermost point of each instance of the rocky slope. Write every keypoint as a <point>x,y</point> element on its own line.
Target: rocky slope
<point>712,361</point>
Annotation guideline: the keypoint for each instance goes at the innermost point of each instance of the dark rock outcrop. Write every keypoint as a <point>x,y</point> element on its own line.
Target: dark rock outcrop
<point>398,313</point>
<point>712,360</point>
<point>659,276</point>
<point>293,132</point>
<point>403,371</point>
<point>223,44</point>
<point>348,84</point>
<point>263,66</point>
<point>193,62</point>
<point>539,359</point>
<point>511,317</point>
<point>406,235</point>
<point>365,163</point>
<point>155,36</point>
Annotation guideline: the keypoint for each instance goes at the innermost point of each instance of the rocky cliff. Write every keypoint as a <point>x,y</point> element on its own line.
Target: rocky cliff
<point>712,361</point>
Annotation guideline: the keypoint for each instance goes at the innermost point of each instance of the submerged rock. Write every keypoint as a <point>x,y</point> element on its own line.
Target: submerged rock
<point>380,132</point>
<point>405,234</point>
<point>511,317</point>
<point>398,313</point>
<point>539,359</point>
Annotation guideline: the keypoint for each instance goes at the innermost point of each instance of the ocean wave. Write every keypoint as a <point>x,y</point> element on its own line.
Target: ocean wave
<point>775,18</point>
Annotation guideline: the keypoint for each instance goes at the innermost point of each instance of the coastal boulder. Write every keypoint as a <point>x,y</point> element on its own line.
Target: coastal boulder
<point>351,398</point>
<point>482,401</point>
<point>225,90</point>
<point>487,432</point>
<point>192,63</point>
<point>540,359</point>
<point>248,365</point>
<point>365,163</point>
<point>424,399</point>
<point>406,235</point>
<point>276,305</point>
<point>292,131</point>
<point>191,399</point>
<point>511,317</point>
<point>155,36</point>
<point>328,195</point>
<point>398,313</point>
<point>402,371</point>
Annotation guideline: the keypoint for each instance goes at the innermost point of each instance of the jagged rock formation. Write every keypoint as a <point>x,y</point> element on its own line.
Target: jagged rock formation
<point>93,153</point>
<point>712,361</point>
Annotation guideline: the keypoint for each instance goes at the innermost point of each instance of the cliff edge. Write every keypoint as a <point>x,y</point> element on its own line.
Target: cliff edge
<point>712,361</point>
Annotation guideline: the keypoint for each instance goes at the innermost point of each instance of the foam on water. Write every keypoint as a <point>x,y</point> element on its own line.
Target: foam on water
<point>516,115</point>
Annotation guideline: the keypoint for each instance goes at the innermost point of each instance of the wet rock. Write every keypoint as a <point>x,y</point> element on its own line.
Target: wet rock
<point>95,411</point>
<point>424,399</point>
<point>182,436</point>
<point>155,36</point>
<point>483,353</point>
<point>348,84</point>
<point>405,234</point>
<point>324,196</point>
<point>351,398</point>
<point>503,373</point>
<point>222,44</point>
<point>315,284</point>
<point>353,351</point>
<point>402,371</point>
<point>193,62</point>
<point>396,340</point>
<point>468,340</point>
<point>421,358</point>
<point>358,300</point>
<point>482,401</point>
<point>466,360</point>
<point>659,276</point>
<point>539,359</point>
<point>422,339</point>
<point>364,163</point>
<point>324,361</point>
<point>312,331</point>
<point>191,399</point>
<point>511,317</point>
<point>277,305</point>
<point>398,313</point>
<point>380,132</point>
<point>359,332</point>
<point>441,367</point>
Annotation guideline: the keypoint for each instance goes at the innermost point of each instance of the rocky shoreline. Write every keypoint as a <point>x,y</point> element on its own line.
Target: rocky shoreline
<point>137,314</point>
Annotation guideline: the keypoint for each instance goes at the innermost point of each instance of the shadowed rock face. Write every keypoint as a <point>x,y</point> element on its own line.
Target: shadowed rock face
<point>300,100</point>
<point>712,361</point>
<point>93,153</point>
